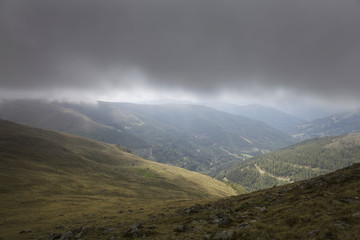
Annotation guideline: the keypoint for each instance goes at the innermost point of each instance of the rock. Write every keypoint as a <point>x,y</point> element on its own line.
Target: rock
<point>348,200</point>
<point>203,222</point>
<point>313,233</point>
<point>108,230</point>
<point>80,232</point>
<point>111,238</point>
<point>194,223</point>
<point>194,209</point>
<point>225,221</point>
<point>357,214</point>
<point>67,235</point>
<point>224,235</point>
<point>54,236</point>
<point>25,231</point>
<point>183,228</point>
<point>243,225</point>
<point>152,226</point>
<point>207,236</point>
<point>134,231</point>
<point>262,209</point>
<point>341,224</point>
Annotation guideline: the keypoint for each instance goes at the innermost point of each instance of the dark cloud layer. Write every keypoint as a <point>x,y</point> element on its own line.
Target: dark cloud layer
<point>309,46</point>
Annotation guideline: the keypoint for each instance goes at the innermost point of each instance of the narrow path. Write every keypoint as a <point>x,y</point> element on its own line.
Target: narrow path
<point>232,154</point>
<point>306,167</point>
<point>261,171</point>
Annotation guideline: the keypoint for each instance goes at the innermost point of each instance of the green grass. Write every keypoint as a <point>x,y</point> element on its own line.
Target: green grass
<point>52,189</point>
<point>304,160</point>
<point>49,179</point>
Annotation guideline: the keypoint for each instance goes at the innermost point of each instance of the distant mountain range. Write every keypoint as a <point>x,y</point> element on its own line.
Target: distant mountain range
<point>49,178</point>
<point>298,162</point>
<point>338,124</point>
<point>60,186</point>
<point>271,116</point>
<point>190,136</point>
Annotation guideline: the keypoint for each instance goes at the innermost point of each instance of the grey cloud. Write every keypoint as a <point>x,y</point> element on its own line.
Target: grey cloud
<point>203,45</point>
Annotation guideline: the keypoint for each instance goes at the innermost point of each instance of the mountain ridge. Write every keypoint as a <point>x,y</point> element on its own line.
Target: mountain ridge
<point>303,160</point>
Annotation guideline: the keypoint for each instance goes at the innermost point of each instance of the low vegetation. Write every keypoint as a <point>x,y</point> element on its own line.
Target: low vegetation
<point>305,160</point>
<point>49,179</point>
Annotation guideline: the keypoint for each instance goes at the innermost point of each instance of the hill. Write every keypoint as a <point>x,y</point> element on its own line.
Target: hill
<point>189,136</point>
<point>338,124</point>
<point>193,137</point>
<point>271,116</point>
<point>53,116</point>
<point>48,177</point>
<point>325,207</point>
<point>301,161</point>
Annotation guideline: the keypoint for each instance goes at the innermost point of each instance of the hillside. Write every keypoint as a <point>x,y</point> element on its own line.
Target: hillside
<point>271,116</point>
<point>301,161</point>
<point>193,137</point>
<point>325,207</point>
<point>189,136</point>
<point>338,124</point>
<point>47,177</point>
<point>53,116</point>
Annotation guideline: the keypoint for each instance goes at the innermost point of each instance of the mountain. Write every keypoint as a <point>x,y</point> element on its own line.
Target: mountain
<point>325,207</point>
<point>271,116</point>
<point>338,124</point>
<point>301,161</point>
<point>53,116</point>
<point>46,177</point>
<point>190,136</point>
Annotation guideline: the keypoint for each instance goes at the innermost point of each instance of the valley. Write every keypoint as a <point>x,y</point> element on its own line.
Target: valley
<point>48,179</point>
<point>301,161</point>
<point>61,186</point>
<point>188,136</point>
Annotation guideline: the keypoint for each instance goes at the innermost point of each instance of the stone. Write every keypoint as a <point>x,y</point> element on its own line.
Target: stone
<point>183,228</point>
<point>225,221</point>
<point>224,235</point>
<point>134,231</point>
<point>66,235</point>
<point>108,230</point>
<point>207,236</point>
<point>54,236</point>
<point>313,233</point>
<point>243,225</point>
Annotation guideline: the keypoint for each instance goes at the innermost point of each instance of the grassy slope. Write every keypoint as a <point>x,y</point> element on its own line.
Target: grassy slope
<point>326,207</point>
<point>301,161</point>
<point>338,124</point>
<point>52,116</point>
<point>48,178</point>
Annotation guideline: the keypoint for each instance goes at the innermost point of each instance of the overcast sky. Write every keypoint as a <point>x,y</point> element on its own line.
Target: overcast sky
<point>262,50</point>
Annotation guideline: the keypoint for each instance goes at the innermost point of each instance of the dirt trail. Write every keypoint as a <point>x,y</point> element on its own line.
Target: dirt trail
<point>232,154</point>
<point>261,171</point>
<point>306,167</point>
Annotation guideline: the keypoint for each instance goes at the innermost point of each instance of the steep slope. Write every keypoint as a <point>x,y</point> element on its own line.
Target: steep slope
<point>45,175</point>
<point>191,136</point>
<point>338,124</point>
<point>325,207</point>
<point>53,116</point>
<point>271,116</point>
<point>301,161</point>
